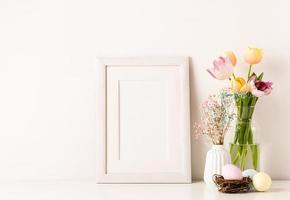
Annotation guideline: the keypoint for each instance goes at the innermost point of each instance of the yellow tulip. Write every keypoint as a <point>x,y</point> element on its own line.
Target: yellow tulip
<point>231,55</point>
<point>246,88</point>
<point>237,83</point>
<point>253,55</point>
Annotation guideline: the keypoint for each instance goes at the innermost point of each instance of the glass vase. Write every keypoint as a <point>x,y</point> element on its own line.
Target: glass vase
<point>244,151</point>
<point>245,156</point>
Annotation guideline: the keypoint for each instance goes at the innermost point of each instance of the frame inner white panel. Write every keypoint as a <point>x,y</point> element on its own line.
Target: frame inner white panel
<point>142,124</point>
<point>149,103</point>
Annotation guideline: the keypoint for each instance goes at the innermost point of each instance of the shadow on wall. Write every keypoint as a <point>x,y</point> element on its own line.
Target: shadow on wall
<point>197,147</point>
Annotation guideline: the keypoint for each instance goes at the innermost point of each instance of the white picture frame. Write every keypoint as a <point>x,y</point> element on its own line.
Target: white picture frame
<point>143,120</point>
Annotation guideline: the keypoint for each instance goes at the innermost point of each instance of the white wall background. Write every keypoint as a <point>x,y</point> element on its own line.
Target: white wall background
<point>47,73</point>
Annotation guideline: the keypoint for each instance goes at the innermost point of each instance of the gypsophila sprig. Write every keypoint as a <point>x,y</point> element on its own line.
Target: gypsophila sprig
<point>216,116</point>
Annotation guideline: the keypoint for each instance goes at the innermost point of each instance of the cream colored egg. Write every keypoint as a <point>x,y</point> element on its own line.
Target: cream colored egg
<point>262,182</point>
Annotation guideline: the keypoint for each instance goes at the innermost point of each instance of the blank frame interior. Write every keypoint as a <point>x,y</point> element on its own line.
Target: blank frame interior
<point>143,120</point>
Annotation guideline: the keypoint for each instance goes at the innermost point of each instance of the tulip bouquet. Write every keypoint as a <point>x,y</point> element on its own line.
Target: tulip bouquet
<point>246,93</point>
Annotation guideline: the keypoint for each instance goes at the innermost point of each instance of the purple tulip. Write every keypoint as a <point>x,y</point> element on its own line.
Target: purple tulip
<point>261,88</point>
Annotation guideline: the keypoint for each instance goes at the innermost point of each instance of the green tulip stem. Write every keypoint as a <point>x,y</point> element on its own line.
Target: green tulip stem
<point>249,72</point>
<point>234,76</point>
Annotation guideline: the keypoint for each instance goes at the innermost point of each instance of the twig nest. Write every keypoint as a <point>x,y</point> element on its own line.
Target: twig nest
<point>262,182</point>
<point>232,186</point>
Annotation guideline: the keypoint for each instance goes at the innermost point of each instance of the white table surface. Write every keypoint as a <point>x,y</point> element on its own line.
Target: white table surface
<point>69,190</point>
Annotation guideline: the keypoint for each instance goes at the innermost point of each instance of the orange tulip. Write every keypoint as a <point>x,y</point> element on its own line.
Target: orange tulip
<point>232,57</point>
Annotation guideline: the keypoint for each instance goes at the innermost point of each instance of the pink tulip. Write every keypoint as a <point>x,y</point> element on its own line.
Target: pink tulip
<point>223,68</point>
<point>261,88</point>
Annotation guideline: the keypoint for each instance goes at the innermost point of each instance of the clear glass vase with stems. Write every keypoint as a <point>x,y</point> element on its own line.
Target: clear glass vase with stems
<point>244,151</point>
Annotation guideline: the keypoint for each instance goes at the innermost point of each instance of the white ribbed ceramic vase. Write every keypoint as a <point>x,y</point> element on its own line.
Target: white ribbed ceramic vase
<point>216,158</point>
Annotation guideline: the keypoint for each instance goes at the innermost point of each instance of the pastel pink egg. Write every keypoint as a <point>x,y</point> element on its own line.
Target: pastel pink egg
<point>231,172</point>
